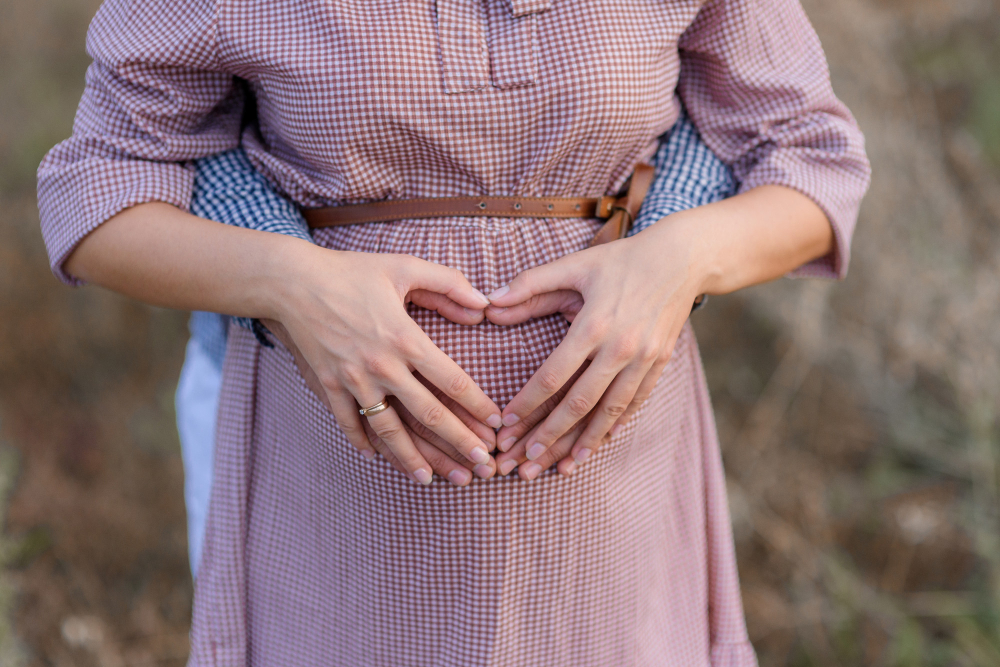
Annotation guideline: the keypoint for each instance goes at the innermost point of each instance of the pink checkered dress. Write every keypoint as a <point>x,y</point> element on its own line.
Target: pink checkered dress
<point>315,557</point>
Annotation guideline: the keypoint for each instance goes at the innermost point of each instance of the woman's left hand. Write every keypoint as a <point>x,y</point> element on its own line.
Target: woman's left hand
<point>627,301</point>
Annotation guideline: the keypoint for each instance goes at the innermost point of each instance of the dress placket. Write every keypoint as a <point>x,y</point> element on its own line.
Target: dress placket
<point>513,33</point>
<point>510,57</point>
<point>462,40</point>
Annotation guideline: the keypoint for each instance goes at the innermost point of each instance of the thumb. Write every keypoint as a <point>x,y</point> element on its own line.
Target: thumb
<point>452,283</point>
<point>551,277</point>
<point>566,302</point>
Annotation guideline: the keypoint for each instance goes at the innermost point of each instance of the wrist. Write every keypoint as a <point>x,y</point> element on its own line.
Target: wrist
<point>284,271</point>
<point>690,236</point>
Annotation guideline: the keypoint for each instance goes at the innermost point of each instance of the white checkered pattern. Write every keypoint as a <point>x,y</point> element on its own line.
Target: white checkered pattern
<point>314,557</point>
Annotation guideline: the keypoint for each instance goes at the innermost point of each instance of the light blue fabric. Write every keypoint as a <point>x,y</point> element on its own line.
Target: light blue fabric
<point>197,403</point>
<point>229,190</point>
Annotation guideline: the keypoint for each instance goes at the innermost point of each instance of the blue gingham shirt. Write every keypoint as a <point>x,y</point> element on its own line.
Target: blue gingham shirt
<point>229,190</point>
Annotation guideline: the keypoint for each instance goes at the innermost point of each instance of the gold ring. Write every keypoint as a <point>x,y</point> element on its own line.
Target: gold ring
<point>375,409</point>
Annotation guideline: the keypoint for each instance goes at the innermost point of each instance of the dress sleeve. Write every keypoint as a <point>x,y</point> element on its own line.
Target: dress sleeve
<point>755,81</point>
<point>155,99</point>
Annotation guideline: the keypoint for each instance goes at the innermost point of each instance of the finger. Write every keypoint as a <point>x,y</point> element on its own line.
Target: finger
<point>530,470</point>
<point>482,431</point>
<point>442,372</point>
<point>508,435</point>
<point>384,450</point>
<point>344,409</point>
<point>567,302</point>
<point>419,274</point>
<point>582,397</point>
<point>551,277</point>
<point>441,463</point>
<point>430,412</point>
<point>610,407</point>
<point>550,377</point>
<point>390,429</point>
<point>445,307</point>
<point>507,461</point>
<point>643,392</point>
<point>433,440</point>
<point>568,465</point>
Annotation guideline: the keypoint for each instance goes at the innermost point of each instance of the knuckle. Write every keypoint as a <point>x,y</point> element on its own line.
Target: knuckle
<point>350,428</point>
<point>401,341</point>
<point>390,433</point>
<point>624,347</point>
<point>615,410</point>
<point>433,415</point>
<point>595,329</point>
<point>353,374</point>
<point>378,365</point>
<point>549,381</point>
<point>458,383</point>
<point>578,406</point>
<point>649,352</point>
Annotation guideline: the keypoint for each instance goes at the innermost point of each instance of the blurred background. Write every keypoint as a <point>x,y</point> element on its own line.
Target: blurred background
<point>860,421</point>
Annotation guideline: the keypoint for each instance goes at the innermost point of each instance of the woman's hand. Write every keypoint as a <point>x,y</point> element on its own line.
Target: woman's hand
<point>444,458</point>
<point>346,313</point>
<point>627,302</point>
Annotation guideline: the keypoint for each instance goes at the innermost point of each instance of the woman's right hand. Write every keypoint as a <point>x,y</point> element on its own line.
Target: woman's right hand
<point>346,313</point>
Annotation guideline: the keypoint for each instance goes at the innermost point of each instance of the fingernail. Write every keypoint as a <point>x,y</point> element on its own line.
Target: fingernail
<point>510,420</point>
<point>507,444</point>
<point>536,450</point>
<point>581,455</point>
<point>507,466</point>
<point>494,421</point>
<point>617,429</point>
<point>499,292</point>
<point>368,454</point>
<point>531,469</point>
<point>486,299</point>
<point>569,468</point>
<point>423,475</point>
<point>459,477</point>
<point>479,455</point>
<point>483,471</point>
<point>472,313</point>
<point>490,446</point>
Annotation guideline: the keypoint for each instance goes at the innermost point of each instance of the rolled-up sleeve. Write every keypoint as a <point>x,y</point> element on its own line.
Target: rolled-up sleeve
<point>155,99</point>
<point>756,83</point>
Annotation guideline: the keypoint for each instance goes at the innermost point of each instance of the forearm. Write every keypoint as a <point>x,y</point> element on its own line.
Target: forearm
<point>751,238</point>
<point>163,256</point>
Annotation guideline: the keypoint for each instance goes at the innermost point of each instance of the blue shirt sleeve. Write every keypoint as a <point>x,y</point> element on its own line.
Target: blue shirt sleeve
<point>229,190</point>
<point>688,174</point>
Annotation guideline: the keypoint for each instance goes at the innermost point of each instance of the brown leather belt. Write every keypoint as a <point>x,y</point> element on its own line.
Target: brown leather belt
<point>620,211</point>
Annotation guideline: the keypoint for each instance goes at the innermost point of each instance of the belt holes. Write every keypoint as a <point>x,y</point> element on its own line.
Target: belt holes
<point>482,204</point>
<point>550,207</point>
<point>517,206</point>
<point>577,207</point>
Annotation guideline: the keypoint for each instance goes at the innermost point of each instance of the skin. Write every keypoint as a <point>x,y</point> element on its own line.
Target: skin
<point>628,301</point>
<point>342,316</point>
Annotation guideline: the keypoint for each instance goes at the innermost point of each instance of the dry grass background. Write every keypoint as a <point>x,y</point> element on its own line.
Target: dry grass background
<point>860,421</point>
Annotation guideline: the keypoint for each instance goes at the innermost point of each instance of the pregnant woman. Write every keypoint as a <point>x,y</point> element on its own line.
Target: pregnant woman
<point>316,555</point>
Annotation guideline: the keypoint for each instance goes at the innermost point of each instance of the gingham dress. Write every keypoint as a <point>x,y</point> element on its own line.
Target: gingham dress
<point>315,557</point>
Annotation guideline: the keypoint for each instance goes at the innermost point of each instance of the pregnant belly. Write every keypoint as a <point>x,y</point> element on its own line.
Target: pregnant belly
<point>489,252</point>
